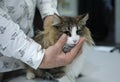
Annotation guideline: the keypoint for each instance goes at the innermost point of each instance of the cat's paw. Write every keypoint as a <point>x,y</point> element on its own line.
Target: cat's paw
<point>30,75</point>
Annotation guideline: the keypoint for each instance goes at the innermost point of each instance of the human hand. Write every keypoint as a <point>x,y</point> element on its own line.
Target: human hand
<point>55,57</point>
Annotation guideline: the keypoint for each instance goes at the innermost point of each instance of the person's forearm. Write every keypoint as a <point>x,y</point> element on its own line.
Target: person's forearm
<point>47,7</point>
<point>14,43</point>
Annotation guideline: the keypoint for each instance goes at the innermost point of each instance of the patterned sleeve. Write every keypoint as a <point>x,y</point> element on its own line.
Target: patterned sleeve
<point>14,43</point>
<point>47,7</point>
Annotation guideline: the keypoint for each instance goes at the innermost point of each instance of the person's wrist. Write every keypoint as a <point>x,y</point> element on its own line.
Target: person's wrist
<point>42,63</point>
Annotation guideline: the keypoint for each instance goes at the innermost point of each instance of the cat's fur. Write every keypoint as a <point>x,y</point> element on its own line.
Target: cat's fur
<point>75,28</point>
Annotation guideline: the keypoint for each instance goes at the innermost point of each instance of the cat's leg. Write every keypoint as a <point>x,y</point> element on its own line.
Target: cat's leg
<point>30,75</point>
<point>67,79</point>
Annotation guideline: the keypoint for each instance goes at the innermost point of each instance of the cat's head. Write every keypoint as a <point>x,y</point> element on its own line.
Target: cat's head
<point>74,27</point>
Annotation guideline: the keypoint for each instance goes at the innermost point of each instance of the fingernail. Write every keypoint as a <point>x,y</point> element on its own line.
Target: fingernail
<point>64,36</point>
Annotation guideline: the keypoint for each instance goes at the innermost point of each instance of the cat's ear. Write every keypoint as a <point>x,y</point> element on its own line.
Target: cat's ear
<point>83,18</point>
<point>56,19</point>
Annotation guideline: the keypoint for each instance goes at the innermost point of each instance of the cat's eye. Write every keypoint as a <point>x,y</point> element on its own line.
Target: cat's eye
<point>68,33</point>
<point>79,32</point>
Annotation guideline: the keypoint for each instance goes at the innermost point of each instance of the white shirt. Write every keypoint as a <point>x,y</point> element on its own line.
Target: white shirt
<point>16,28</point>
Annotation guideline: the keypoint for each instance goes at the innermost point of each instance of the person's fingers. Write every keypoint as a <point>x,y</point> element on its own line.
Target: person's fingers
<point>62,40</point>
<point>78,47</point>
<point>80,51</point>
<point>68,58</point>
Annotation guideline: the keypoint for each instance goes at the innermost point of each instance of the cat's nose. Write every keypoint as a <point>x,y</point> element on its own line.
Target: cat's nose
<point>75,41</point>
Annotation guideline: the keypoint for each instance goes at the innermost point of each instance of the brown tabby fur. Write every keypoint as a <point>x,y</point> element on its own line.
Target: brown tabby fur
<point>50,35</point>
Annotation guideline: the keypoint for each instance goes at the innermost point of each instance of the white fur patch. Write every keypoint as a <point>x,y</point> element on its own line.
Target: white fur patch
<point>74,38</point>
<point>30,75</point>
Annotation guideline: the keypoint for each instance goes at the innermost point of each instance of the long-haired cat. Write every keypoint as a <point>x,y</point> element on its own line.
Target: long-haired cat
<point>75,28</point>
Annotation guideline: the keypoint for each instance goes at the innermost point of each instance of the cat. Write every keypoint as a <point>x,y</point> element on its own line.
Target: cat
<point>75,28</point>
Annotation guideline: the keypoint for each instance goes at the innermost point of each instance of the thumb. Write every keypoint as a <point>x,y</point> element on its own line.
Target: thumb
<point>62,40</point>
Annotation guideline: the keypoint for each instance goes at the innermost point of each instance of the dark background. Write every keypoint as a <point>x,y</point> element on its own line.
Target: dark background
<point>101,19</point>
